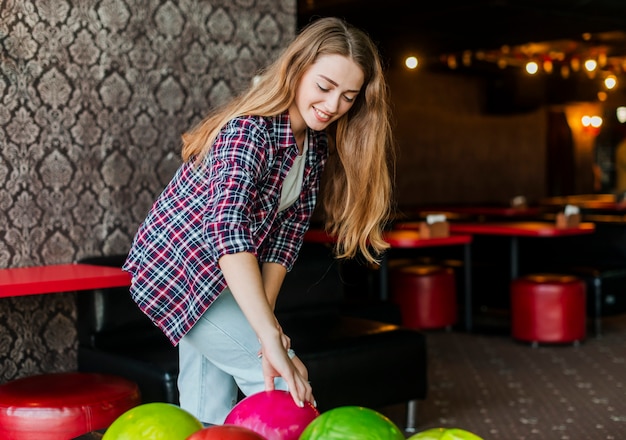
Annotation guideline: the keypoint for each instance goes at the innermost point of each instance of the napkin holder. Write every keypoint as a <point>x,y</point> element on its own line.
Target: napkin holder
<point>519,202</point>
<point>568,218</point>
<point>435,226</point>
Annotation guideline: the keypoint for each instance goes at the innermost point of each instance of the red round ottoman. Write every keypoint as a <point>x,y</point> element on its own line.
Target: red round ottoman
<point>61,406</point>
<point>548,308</point>
<point>426,295</point>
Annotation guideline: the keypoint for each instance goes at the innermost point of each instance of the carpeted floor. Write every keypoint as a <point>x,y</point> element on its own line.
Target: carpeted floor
<point>500,389</point>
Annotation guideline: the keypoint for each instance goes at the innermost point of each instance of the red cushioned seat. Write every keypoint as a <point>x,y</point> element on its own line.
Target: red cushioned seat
<point>61,406</point>
<point>548,308</point>
<point>426,295</point>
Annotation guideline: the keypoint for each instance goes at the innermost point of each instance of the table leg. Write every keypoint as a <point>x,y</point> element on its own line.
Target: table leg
<point>467,256</point>
<point>514,258</point>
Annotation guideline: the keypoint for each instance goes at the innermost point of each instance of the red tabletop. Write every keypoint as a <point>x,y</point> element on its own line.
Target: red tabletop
<point>412,239</point>
<point>37,280</point>
<point>397,239</point>
<point>603,206</point>
<point>522,229</point>
<point>318,236</point>
<point>501,211</point>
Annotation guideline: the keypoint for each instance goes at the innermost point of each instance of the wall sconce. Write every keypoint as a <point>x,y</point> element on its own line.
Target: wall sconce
<point>591,124</point>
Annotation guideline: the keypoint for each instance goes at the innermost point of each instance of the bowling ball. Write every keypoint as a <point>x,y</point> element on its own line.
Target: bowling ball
<point>153,421</point>
<point>272,414</point>
<point>225,432</point>
<point>445,434</point>
<point>352,422</point>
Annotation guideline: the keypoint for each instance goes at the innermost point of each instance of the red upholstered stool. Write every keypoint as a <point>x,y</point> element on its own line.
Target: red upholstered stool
<point>62,406</point>
<point>548,308</point>
<point>426,295</point>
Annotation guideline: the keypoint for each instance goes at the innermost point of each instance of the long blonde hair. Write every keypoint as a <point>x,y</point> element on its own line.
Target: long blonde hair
<point>357,190</point>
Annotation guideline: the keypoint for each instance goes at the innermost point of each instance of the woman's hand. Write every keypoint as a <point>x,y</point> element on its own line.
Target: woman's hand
<point>276,363</point>
<point>301,368</point>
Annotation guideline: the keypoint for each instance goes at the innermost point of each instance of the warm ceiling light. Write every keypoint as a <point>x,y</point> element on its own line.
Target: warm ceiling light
<point>591,65</point>
<point>467,58</point>
<point>547,66</point>
<point>411,62</point>
<point>532,67</point>
<point>620,112</point>
<point>610,82</point>
<point>452,63</point>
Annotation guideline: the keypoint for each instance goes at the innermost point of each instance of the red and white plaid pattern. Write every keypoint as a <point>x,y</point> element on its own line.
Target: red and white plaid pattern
<point>227,204</point>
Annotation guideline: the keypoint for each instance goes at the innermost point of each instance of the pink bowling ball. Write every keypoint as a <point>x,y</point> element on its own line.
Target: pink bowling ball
<point>273,415</point>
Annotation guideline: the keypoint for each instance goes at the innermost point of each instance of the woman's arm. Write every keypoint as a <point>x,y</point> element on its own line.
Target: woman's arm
<point>242,274</point>
<point>273,277</point>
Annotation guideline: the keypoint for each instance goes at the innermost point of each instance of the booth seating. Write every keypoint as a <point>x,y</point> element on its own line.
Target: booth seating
<point>61,406</point>
<point>548,308</point>
<point>350,360</point>
<point>426,295</point>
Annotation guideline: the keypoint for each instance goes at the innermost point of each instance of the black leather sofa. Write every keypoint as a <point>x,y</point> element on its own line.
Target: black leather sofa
<point>351,360</point>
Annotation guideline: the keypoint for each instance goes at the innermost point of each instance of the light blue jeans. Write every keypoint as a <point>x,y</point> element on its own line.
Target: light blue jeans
<point>219,354</point>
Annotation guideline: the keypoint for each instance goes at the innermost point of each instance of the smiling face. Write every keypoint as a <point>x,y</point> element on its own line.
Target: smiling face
<point>326,91</point>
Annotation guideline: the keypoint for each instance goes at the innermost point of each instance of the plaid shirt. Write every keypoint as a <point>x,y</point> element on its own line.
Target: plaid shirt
<point>227,204</point>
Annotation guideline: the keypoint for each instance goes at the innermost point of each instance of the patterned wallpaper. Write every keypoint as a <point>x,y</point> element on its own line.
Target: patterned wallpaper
<point>94,96</point>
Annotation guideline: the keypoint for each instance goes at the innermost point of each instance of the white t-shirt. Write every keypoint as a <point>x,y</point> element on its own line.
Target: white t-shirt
<point>293,182</point>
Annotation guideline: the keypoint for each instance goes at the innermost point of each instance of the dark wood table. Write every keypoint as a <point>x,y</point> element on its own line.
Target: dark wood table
<point>409,239</point>
<point>38,280</point>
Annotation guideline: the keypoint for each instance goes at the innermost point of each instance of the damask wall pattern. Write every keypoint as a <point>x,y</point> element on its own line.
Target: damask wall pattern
<point>94,96</point>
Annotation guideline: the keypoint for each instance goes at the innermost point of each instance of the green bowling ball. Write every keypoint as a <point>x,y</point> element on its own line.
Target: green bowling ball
<point>351,422</point>
<point>153,421</point>
<point>445,434</point>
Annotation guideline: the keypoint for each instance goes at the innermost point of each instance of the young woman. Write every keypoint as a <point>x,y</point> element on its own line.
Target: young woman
<point>208,261</point>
